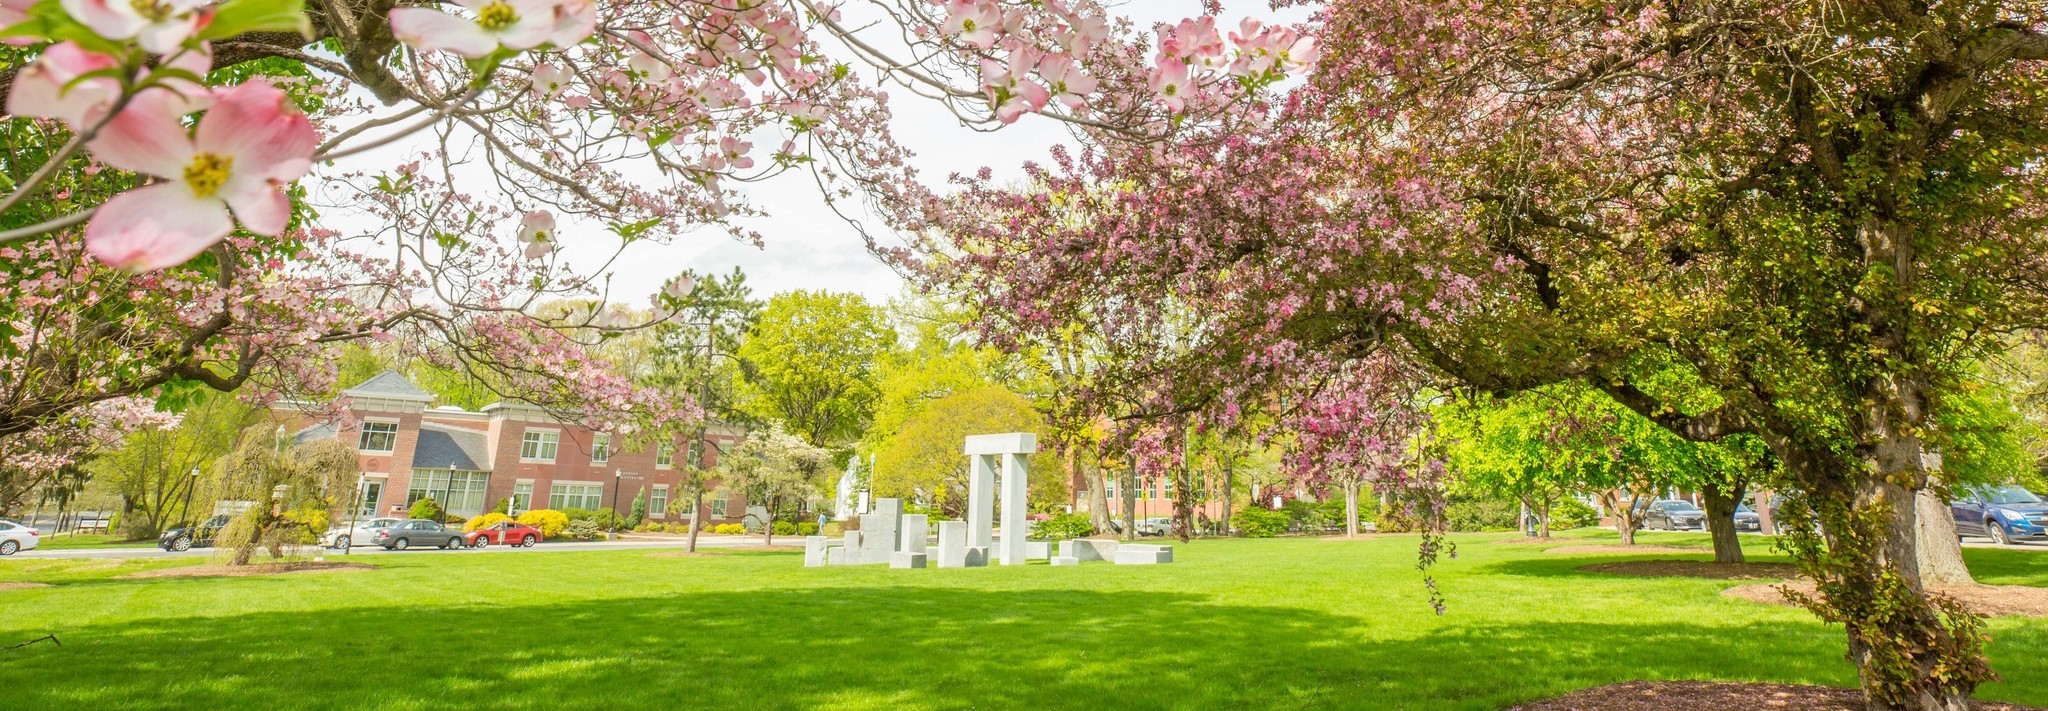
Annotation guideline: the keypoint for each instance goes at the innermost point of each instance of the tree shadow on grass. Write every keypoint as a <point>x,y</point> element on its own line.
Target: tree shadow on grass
<point>882,646</point>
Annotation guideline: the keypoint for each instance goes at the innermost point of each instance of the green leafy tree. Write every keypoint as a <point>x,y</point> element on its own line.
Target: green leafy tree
<point>922,462</point>
<point>153,469</point>
<point>292,492</point>
<point>695,354</point>
<point>777,471</point>
<point>811,364</point>
<point>638,512</point>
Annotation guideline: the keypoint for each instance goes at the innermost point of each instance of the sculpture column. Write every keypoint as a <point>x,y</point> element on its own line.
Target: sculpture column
<point>981,493</point>
<point>1016,475</point>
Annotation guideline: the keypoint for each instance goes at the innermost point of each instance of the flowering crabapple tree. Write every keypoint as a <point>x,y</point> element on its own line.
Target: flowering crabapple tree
<point>39,458</point>
<point>1822,212</point>
<point>190,160</point>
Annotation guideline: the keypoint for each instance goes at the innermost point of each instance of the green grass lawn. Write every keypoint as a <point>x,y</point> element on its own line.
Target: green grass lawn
<point>1289,623</point>
<point>73,541</point>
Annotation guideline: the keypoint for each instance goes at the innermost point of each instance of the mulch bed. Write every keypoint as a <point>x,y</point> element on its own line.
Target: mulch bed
<point>1618,548</point>
<point>252,569</point>
<point>1527,541</point>
<point>1719,696</point>
<point>769,549</point>
<point>22,586</point>
<point>1696,569</point>
<point>685,554</point>
<point>1992,600</point>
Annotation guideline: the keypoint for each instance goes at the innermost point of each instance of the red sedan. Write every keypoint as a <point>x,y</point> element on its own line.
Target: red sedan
<point>504,533</point>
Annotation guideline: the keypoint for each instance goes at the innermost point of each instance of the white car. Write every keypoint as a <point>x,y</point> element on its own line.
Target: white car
<point>15,537</point>
<point>364,533</point>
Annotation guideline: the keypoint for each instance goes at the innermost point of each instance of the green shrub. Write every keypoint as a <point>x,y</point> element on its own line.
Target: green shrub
<point>833,529</point>
<point>1481,515</point>
<point>807,529</point>
<point>550,522</point>
<point>504,506</point>
<point>1259,522</point>
<point>785,528</point>
<point>1308,515</point>
<point>486,520</point>
<point>729,529</point>
<point>1063,526</point>
<point>585,530</point>
<point>1572,513</point>
<point>428,509</point>
<point>454,520</point>
<point>638,513</point>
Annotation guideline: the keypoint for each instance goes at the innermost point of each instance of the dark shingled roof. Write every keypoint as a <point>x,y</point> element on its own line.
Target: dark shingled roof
<point>441,447</point>
<point>320,431</point>
<point>392,385</point>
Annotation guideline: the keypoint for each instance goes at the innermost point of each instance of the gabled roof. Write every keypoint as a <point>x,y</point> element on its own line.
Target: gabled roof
<point>444,446</point>
<point>318,431</point>
<point>390,386</point>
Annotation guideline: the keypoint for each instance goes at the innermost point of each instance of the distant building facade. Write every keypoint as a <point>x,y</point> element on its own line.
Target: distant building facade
<point>470,461</point>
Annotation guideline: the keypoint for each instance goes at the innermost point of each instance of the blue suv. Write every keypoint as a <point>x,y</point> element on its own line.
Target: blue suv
<point>2003,513</point>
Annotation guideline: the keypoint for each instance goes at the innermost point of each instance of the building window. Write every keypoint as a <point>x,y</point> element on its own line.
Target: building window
<point>600,448</point>
<point>539,445</point>
<point>695,459</point>
<point>1109,490</point>
<point>1166,489</point>
<point>379,437</point>
<point>657,503</point>
<point>522,496</point>
<point>718,507</point>
<point>575,495</point>
<point>664,456</point>
<point>459,492</point>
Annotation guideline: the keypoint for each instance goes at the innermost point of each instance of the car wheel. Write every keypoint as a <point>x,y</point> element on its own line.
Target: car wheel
<point>183,543</point>
<point>401,544</point>
<point>341,542</point>
<point>481,542</point>
<point>9,547</point>
<point>528,541</point>
<point>1998,534</point>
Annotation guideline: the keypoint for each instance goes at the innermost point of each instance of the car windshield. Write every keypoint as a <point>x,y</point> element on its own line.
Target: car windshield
<point>2009,495</point>
<point>1743,508</point>
<point>1681,507</point>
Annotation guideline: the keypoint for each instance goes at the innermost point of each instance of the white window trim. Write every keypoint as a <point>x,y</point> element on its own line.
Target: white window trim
<point>540,430</point>
<point>595,438</point>
<point>395,425</point>
<point>669,447</point>
<point>552,483</point>
<point>657,511</point>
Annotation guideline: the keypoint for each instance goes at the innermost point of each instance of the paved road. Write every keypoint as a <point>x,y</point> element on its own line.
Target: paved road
<point>629,544</point>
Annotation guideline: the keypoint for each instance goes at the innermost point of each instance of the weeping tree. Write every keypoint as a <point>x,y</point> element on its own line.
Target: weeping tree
<point>292,490</point>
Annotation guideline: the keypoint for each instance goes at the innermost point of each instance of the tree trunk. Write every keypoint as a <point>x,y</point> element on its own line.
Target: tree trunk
<point>1543,520</point>
<point>697,518</point>
<point>1720,504</point>
<point>1131,501</point>
<point>1098,494</point>
<point>1940,551</point>
<point>1351,509</point>
<point>1902,650</point>
<point>1621,508</point>
<point>1229,490</point>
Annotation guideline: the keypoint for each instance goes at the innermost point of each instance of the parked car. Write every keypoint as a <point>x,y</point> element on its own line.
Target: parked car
<point>504,533</point>
<point>417,532</point>
<point>2002,513</point>
<point>1674,515</point>
<point>186,537</point>
<point>1154,526</point>
<point>1747,520</point>
<point>364,533</point>
<point>15,538</point>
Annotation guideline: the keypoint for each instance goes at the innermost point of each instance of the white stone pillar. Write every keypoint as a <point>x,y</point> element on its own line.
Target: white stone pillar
<point>913,534</point>
<point>878,530</point>
<point>1016,475</point>
<point>952,544</point>
<point>981,493</point>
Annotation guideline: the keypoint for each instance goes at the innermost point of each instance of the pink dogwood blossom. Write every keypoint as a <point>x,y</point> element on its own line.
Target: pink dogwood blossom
<point>158,26</point>
<point>537,232</point>
<point>973,21</point>
<point>1170,82</point>
<point>512,24</point>
<point>60,85</point>
<point>247,147</point>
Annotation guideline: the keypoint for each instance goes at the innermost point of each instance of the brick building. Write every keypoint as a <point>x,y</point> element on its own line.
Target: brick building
<point>470,461</point>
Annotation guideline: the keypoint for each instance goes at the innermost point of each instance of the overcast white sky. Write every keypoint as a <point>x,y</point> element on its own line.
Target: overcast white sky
<point>809,247</point>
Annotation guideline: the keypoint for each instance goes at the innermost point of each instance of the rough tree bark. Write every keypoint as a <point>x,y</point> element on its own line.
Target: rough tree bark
<point>1940,549</point>
<point>697,517</point>
<point>1351,509</point>
<point>1720,503</point>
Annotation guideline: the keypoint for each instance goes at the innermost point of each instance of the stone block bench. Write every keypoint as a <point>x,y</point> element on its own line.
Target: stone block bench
<point>1143,555</point>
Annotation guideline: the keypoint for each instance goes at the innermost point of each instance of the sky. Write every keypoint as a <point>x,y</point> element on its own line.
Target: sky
<point>807,245</point>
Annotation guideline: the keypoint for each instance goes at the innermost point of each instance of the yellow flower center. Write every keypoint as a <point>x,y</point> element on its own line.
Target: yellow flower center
<point>208,172</point>
<point>151,10</point>
<point>496,16</point>
<point>966,25</point>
